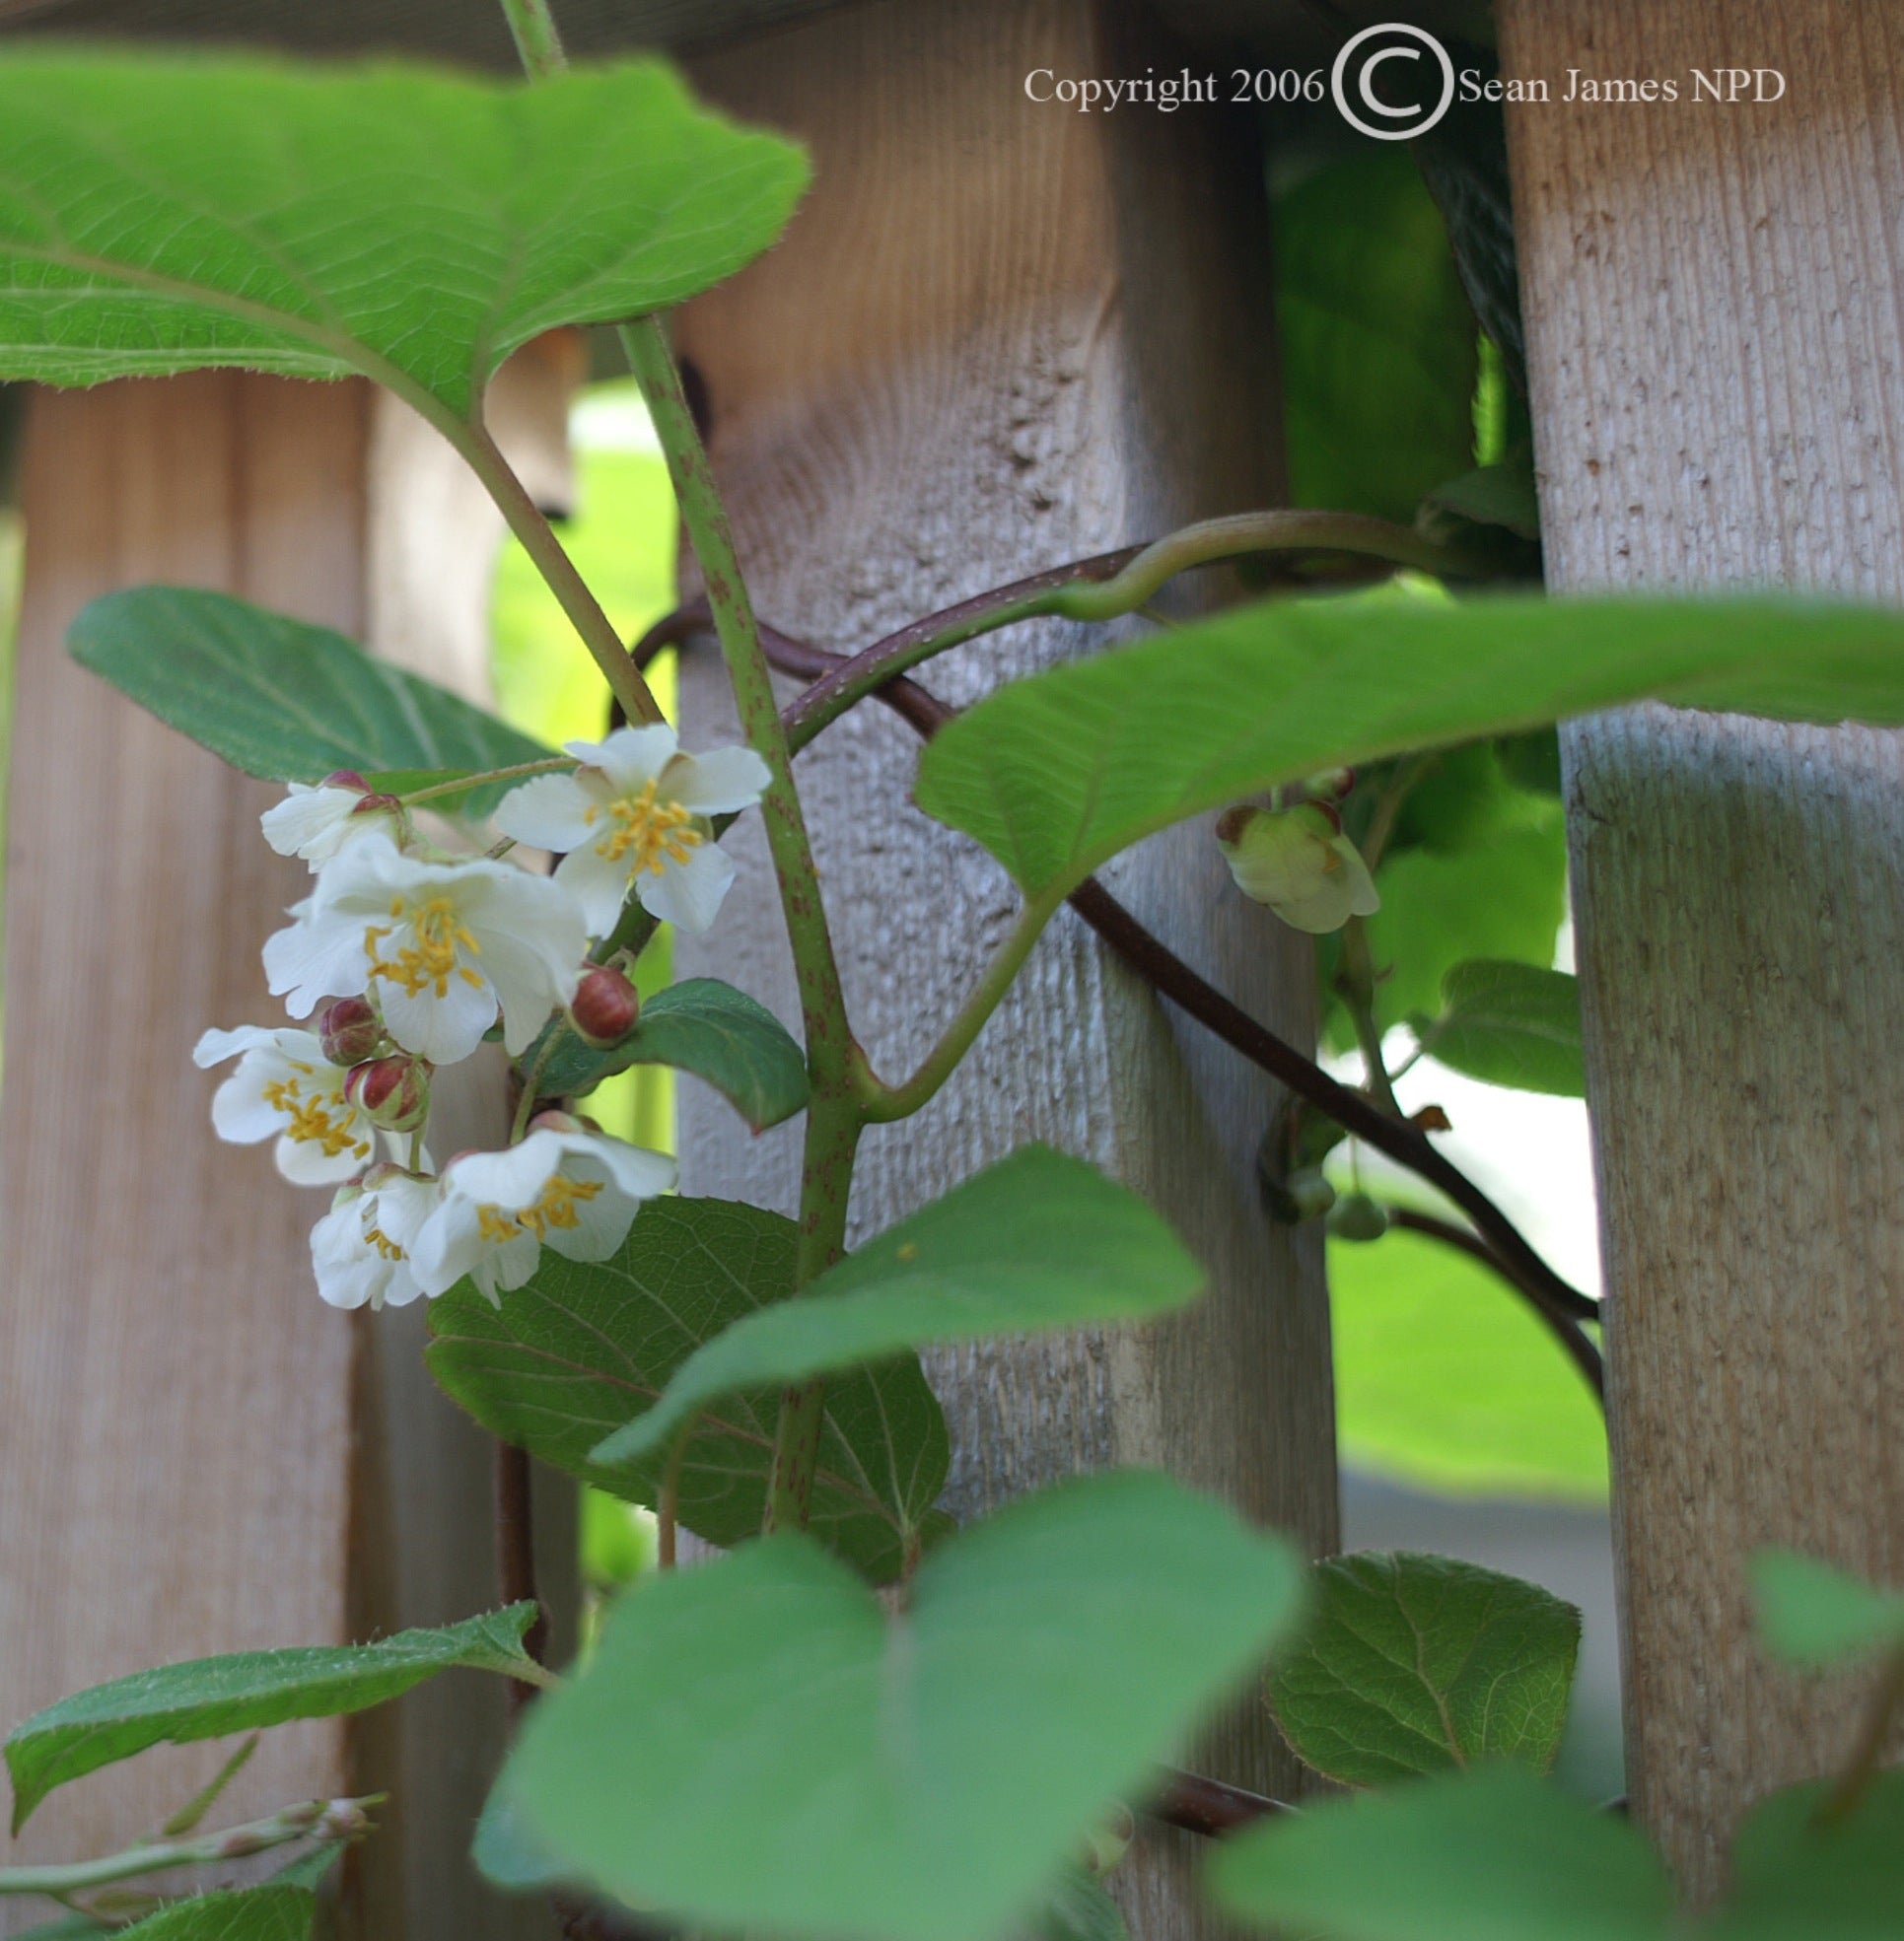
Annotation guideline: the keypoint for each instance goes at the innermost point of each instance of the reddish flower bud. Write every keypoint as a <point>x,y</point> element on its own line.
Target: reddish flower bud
<point>351,1031</point>
<point>392,1093</point>
<point>344,777</point>
<point>378,806</point>
<point>605,1006</point>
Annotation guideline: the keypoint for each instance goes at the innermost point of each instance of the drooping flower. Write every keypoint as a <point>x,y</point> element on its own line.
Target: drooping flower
<point>563,1187</point>
<point>361,1250</point>
<point>284,1086</point>
<point>1298,861</point>
<point>636,812</point>
<point>317,822</point>
<point>441,946</point>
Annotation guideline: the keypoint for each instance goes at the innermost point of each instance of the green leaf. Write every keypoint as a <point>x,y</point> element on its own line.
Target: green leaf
<point>508,1856</point>
<point>922,1777</point>
<point>1444,1382</point>
<point>1510,1024</point>
<point>1078,1908</point>
<point>1815,1614</point>
<point>1377,341</point>
<point>257,1913</point>
<point>1794,1880</point>
<point>1417,1664</point>
<point>1055,774</point>
<point>574,1354</point>
<point>1496,1855</point>
<point>208,1697</point>
<point>699,1025</point>
<point>163,213</point>
<point>1494,495</point>
<point>1036,1241</point>
<point>281,700</point>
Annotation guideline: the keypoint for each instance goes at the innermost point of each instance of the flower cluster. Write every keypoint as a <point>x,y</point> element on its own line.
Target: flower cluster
<point>415,956</point>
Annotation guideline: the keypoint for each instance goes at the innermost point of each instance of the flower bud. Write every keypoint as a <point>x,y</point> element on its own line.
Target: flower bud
<point>345,778</point>
<point>1298,861</point>
<point>392,1093</point>
<point>1310,1193</point>
<point>351,1032</point>
<point>605,1006</point>
<point>1107,1843</point>
<point>374,805</point>
<point>1330,785</point>
<point>1356,1217</point>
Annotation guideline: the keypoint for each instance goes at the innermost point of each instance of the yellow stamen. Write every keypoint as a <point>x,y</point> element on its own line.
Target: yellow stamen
<point>319,1121</point>
<point>656,833</point>
<point>432,959</point>
<point>383,1244</point>
<point>554,1208</point>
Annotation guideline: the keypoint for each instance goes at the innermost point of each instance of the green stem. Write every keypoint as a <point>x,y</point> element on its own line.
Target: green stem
<point>1356,981</point>
<point>1867,1754</point>
<point>314,1819</point>
<point>539,542</point>
<point>1076,592</point>
<point>457,784</point>
<point>537,42</point>
<point>883,1103</point>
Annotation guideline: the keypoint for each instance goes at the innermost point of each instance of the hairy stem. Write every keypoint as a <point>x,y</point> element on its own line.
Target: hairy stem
<point>537,43</point>
<point>314,1819</point>
<point>457,784</point>
<point>1105,588</point>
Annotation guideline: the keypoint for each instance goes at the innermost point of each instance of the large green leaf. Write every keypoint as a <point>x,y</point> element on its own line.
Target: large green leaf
<point>582,1347</point>
<point>208,1698</point>
<point>1414,1664</point>
<point>1377,341</point>
<point>257,1913</point>
<point>161,213</point>
<point>282,700</point>
<point>1038,1241</point>
<point>757,1744</point>
<point>1815,1614</point>
<point>1055,774</point>
<point>1510,1024</point>
<point>1490,1855</point>
<point>1795,1879</point>
<point>699,1025</point>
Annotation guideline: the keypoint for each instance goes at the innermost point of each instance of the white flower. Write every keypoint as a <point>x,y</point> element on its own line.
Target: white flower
<point>361,1249</point>
<point>637,811</point>
<point>441,945</point>
<point>574,1191</point>
<point>1298,861</point>
<point>285,1085</point>
<point>316,823</point>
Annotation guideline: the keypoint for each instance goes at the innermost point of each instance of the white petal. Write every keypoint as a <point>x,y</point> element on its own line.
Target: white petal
<point>348,1273</point>
<point>446,1029</point>
<point>598,884</point>
<point>214,1047</point>
<point>717,782</point>
<point>315,959</point>
<point>640,1173</point>
<point>631,757</point>
<point>689,894</point>
<point>304,1161</point>
<point>514,1177</point>
<point>313,823</point>
<point>551,812</point>
<point>241,1115</point>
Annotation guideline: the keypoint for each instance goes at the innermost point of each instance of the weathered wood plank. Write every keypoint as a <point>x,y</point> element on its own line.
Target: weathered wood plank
<point>999,336</point>
<point>1716,345</point>
<point>174,1402</point>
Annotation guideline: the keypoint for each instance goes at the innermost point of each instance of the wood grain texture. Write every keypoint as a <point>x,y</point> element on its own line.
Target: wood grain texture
<point>999,336</point>
<point>1716,349</point>
<point>174,1401</point>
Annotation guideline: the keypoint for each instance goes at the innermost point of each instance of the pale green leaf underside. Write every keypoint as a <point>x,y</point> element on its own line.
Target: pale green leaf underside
<point>1038,1241</point>
<point>755,1745</point>
<point>1510,1024</point>
<point>1815,1614</point>
<point>573,1355</point>
<point>208,1698</point>
<point>1414,1664</point>
<point>259,1913</point>
<point>1494,1856</point>
<point>1057,773</point>
<point>699,1025</point>
<point>279,698</point>
<point>161,213</point>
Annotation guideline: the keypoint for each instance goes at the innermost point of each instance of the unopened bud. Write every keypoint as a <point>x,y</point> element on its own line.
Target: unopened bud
<point>344,777</point>
<point>342,1819</point>
<point>1298,861</point>
<point>351,1032</point>
<point>1330,785</point>
<point>605,1006</point>
<point>553,1120</point>
<point>374,805</point>
<point>392,1093</point>
<point>1356,1217</point>
<point>1310,1193</point>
